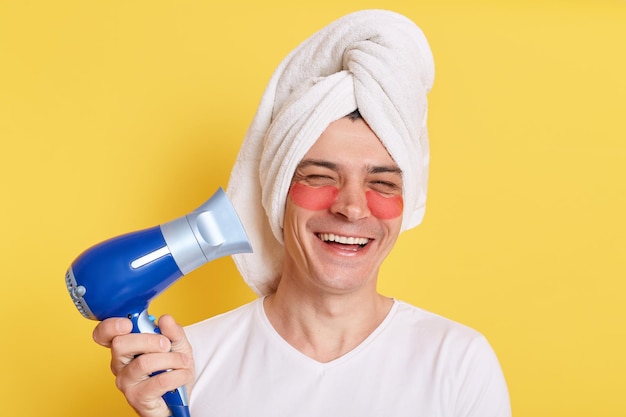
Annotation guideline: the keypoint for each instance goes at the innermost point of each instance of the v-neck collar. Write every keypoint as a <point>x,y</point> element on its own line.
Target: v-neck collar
<point>276,339</point>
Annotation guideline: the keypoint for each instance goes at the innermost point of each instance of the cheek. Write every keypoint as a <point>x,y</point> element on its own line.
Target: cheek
<point>384,207</point>
<point>310,198</point>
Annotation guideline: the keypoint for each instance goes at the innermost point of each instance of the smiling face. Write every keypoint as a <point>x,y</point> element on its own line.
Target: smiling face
<point>344,210</point>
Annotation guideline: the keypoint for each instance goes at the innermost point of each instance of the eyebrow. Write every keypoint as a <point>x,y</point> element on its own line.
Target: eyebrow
<point>377,169</point>
<point>318,163</point>
<point>392,169</point>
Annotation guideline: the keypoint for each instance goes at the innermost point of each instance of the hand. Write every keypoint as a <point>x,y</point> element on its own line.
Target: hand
<point>170,350</point>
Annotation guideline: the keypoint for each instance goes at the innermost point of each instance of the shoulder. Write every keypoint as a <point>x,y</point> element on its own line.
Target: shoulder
<point>461,353</point>
<point>437,336</point>
<point>423,322</point>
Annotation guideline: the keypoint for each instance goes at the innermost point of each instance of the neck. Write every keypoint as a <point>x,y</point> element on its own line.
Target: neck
<point>325,327</point>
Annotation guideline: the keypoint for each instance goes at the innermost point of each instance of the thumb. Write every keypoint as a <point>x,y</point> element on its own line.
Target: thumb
<point>175,333</point>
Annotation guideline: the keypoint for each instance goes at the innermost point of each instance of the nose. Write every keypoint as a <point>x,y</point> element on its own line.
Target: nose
<point>351,203</point>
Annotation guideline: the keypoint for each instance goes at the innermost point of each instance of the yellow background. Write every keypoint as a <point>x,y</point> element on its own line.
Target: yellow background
<point>119,115</point>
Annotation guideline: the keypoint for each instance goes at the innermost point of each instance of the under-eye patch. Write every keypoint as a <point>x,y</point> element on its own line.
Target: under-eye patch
<point>322,198</point>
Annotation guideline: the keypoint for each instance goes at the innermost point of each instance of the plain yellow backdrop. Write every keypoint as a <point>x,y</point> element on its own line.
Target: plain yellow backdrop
<point>120,115</point>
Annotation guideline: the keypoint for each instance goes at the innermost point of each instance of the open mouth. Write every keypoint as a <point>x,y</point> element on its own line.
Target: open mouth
<point>346,242</point>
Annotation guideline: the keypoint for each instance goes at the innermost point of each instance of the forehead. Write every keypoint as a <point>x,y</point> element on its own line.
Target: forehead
<point>350,142</point>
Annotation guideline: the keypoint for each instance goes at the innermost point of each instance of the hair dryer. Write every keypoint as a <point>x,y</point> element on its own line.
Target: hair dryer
<point>120,276</point>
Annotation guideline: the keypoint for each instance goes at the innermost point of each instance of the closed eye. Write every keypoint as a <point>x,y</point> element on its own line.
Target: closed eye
<point>385,187</point>
<point>316,173</point>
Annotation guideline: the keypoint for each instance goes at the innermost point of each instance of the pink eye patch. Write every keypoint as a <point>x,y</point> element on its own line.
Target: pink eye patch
<point>322,198</point>
<point>384,207</point>
<point>310,198</point>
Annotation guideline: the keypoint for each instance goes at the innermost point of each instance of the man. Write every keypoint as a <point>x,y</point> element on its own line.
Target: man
<point>333,168</point>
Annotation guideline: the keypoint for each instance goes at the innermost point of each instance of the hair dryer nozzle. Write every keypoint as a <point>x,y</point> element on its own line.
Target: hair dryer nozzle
<point>211,231</point>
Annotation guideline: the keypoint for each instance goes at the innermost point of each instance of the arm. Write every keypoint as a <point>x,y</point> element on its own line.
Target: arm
<point>170,350</point>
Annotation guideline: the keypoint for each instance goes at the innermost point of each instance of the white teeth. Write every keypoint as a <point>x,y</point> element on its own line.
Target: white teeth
<point>329,237</point>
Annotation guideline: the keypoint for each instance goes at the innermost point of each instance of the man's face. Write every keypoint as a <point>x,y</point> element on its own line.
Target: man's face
<point>344,210</point>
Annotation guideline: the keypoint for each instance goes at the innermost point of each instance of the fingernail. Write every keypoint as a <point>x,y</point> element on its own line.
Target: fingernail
<point>164,343</point>
<point>120,326</point>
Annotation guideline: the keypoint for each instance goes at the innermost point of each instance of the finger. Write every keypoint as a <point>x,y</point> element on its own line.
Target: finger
<point>146,396</point>
<point>126,348</point>
<point>108,329</point>
<point>145,367</point>
<point>144,391</point>
<point>155,407</point>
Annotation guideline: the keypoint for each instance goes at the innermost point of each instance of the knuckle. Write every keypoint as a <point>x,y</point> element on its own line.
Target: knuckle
<point>162,381</point>
<point>187,361</point>
<point>142,364</point>
<point>133,398</point>
<point>119,385</point>
<point>118,343</point>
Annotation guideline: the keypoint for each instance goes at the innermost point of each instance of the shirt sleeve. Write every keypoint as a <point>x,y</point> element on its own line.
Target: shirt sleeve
<point>482,389</point>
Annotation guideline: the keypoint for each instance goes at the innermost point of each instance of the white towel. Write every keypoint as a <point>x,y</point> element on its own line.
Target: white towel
<point>374,60</point>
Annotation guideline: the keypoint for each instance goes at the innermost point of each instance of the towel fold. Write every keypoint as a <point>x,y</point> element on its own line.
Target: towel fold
<point>375,60</point>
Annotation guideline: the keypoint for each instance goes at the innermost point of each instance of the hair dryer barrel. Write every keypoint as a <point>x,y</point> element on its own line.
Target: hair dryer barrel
<point>114,278</point>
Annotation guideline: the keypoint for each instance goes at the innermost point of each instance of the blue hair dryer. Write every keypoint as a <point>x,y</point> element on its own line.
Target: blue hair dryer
<point>120,276</point>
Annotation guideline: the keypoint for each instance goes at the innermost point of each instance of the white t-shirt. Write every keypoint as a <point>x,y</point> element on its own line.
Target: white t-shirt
<point>415,364</point>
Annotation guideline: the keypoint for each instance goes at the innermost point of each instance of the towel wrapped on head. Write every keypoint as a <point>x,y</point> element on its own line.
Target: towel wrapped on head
<point>376,61</point>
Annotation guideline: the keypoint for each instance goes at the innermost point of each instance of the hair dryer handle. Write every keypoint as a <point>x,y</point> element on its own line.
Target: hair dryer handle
<point>176,400</point>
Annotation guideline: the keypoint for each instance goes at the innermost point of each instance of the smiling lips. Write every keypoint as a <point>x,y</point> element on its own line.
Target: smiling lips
<point>350,244</point>
<point>329,237</point>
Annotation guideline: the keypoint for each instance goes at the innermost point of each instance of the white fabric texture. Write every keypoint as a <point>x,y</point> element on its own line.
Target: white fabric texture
<point>415,364</point>
<point>374,60</point>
